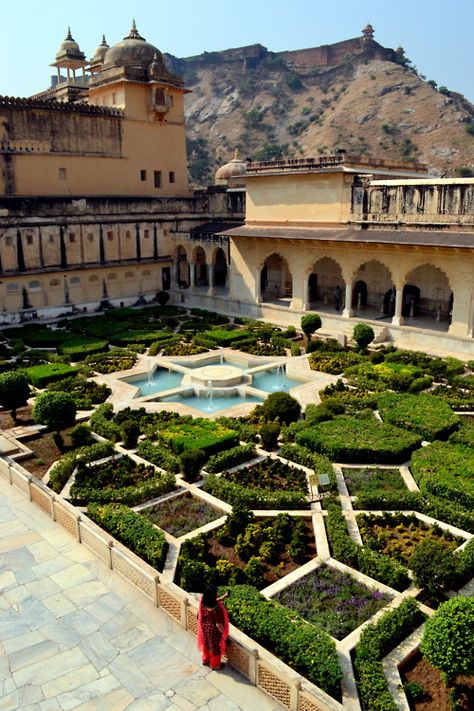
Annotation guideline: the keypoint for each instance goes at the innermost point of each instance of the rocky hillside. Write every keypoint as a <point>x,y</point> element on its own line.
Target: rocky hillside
<point>291,104</point>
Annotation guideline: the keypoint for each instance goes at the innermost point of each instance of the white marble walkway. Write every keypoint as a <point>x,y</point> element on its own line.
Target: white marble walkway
<point>74,635</point>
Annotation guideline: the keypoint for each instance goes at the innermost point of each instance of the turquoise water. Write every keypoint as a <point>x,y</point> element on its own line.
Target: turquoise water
<point>204,404</point>
<point>214,361</point>
<point>162,380</point>
<point>272,381</point>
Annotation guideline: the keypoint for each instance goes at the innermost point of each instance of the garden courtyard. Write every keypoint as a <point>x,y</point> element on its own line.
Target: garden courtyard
<point>327,488</point>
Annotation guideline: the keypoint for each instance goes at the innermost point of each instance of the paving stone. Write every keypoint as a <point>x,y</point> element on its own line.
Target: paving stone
<point>131,676</point>
<point>98,649</point>
<point>11,702</point>
<point>30,694</point>
<point>70,681</point>
<point>25,640</point>
<point>40,673</point>
<point>132,638</point>
<point>115,701</point>
<point>198,691</point>
<point>12,624</point>
<point>156,701</point>
<point>88,692</point>
<point>42,588</point>
<point>35,613</point>
<point>71,576</point>
<point>32,655</point>
<point>85,593</point>
<point>7,579</point>
<point>58,605</point>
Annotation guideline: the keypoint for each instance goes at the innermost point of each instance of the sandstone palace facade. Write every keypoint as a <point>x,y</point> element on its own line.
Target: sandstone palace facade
<point>95,211</point>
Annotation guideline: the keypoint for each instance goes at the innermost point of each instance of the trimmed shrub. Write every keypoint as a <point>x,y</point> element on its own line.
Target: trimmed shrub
<point>447,638</point>
<point>42,375</point>
<point>333,362</point>
<point>55,410</point>
<point>230,458</point>
<point>86,393</point>
<point>428,416</point>
<point>102,423</point>
<point>363,334</point>
<point>280,406</point>
<point>133,530</point>
<point>130,433</point>
<point>220,337</point>
<point>14,391</point>
<point>192,461</point>
<point>162,297</point>
<point>433,566</point>
<point>81,435</point>
<point>115,359</point>
<point>269,433</point>
<point>308,650</point>
<point>310,323</point>
<point>352,440</point>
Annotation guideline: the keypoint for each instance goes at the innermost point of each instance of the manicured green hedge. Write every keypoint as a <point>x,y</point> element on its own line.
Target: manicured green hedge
<point>159,456</point>
<point>446,471</point>
<point>123,338</point>
<point>456,397</point>
<point>371,563</point>
<point>38,336</point>
<point>79,348</point>
<point>197,433</point>
<point>42,375</point>
<point>305,648</point>
<point>376,641</point>
<point>221,337</point>
<point>428,416</point>
<point>465,435</point>
<point>360,441</point>
<point>129,495</point>
<point>133,530</point>
<point>320,464</point>
<point>382,376</point>
<point>230,458</point>
<point>102,423</point>
<point>253,497</point>
<point>64,467</point>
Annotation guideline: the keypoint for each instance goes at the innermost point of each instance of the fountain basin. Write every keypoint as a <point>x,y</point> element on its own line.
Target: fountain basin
<point>215,376</point>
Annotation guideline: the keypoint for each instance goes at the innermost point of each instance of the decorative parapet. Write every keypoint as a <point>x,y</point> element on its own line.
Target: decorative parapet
<point>77,107</point>
<point>423,202</point>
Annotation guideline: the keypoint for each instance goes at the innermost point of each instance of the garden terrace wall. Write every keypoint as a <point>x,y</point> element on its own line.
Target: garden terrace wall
<point>257,664</point>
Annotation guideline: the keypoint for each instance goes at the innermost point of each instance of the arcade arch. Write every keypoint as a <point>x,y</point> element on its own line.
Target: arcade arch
<point>372,288</point>
<point>276,281</point>
<point>326,284</point>
<point>427,294</point>
<point>219,268</point>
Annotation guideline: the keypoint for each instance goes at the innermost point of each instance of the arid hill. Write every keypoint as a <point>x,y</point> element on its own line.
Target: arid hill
<point>354,95</point>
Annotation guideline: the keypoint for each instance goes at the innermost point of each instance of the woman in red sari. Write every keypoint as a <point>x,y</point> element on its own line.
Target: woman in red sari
<point>213,628</point>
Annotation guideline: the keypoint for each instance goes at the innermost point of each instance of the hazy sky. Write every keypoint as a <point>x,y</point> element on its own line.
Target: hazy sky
<point>436,35</point>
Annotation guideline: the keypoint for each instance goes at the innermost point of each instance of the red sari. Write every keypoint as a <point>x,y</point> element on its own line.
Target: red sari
<point>210,640</point>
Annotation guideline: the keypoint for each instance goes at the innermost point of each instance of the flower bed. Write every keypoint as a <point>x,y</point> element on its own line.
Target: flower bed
<point>268,484</point>
<point>335,363</point>
<point>181,514</point>
<point>231,458</point>
<point>368,480</point>
<point>86,393</point>
<point>308,650</point>
<point>397,535</point>
<point>332,600</point>
<point>65,466</point>
<point>370,562</point>
<point>382,376</point>
<point>246,550</point>
<point>456,397</point>
<point>352,440</point>
<point>115,359</point>
<point>119,480</point>
<point>429,416</point>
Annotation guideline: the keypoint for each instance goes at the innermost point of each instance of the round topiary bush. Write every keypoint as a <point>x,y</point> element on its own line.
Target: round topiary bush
<point>363,334</point>
<point>310,324</point>
<point>281,406</point>
<point>447,639</point>
<point>14,391</point>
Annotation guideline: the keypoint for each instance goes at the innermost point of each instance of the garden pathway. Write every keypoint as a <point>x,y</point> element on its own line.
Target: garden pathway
<point>74,635</point>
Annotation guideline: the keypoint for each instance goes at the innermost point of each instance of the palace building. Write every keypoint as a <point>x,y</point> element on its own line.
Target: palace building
<point>96,211</point>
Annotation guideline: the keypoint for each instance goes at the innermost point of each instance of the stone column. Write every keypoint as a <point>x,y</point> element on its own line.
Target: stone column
<point>398,319</point>
<point>192,275</point>
<point>463,312</point>
<point>347,311</point>
<point>258,290</point>
<point>210,274</point>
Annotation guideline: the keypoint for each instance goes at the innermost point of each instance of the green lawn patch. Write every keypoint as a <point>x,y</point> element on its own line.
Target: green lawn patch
<point>446,471</point>
<point>79,348</point>
<point>368,480</point>
<point>42,375</point>
<point>198,433</point>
